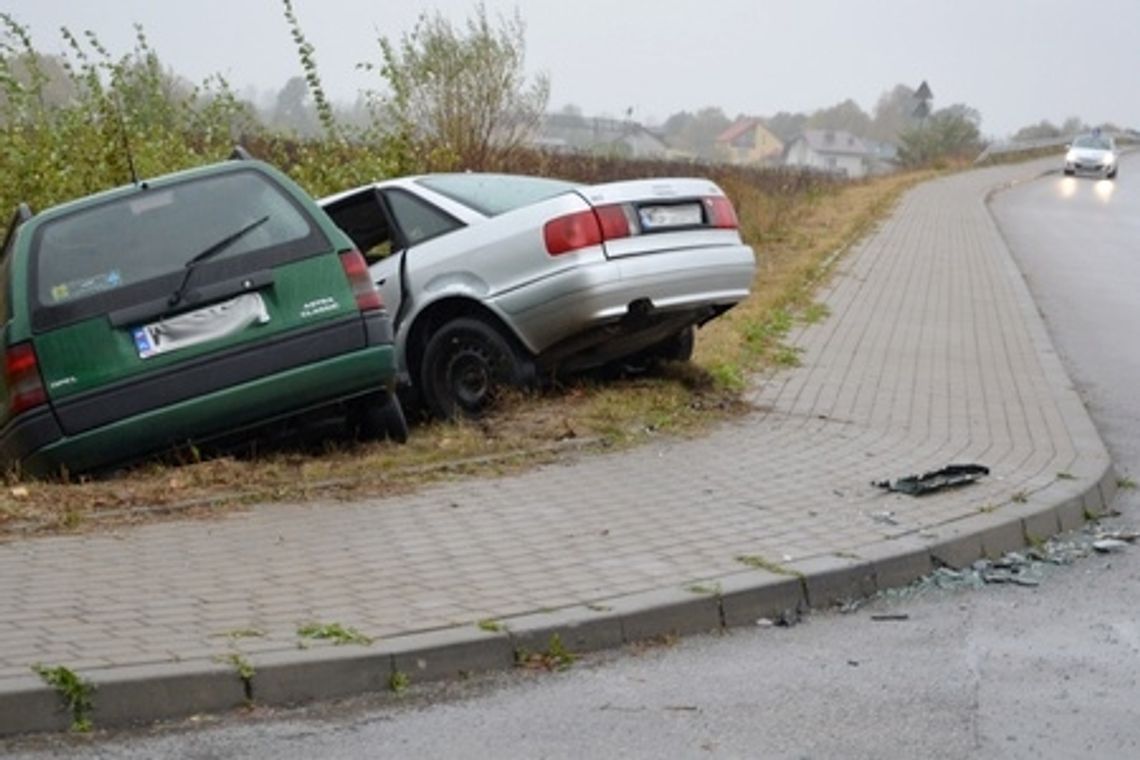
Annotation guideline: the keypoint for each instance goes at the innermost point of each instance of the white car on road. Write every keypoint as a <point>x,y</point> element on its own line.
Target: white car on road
<point>1092,154</point>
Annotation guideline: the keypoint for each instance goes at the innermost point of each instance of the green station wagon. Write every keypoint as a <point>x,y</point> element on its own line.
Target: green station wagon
<point>180,309</point>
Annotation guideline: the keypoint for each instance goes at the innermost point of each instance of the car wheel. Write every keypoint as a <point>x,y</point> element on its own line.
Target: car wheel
<point>381,416</point>
<point>1112,174</point>
<point>676,348</point>
<point>466,365</point>
<point>1069,172</point>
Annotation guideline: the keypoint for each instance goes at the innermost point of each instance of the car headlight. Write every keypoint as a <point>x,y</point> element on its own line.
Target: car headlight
<point>1071,157</point>
<point>1109,159</point>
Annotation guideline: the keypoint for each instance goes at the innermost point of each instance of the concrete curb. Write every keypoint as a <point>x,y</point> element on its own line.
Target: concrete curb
<point>143,694</point>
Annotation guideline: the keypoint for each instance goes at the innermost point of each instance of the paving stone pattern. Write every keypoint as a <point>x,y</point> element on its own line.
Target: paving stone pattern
<point>932,354</point>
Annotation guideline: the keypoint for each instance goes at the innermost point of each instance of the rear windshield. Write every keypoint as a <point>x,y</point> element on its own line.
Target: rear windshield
<point>131,248</point>
<point>493,194</point>
<point>155,231</point>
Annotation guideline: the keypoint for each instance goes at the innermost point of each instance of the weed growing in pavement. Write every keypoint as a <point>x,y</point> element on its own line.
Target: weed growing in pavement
<point>760,563</point>
<point>986,509</point>
<point>243,666</point>
<point>596,607</point>
<point>1126,483</point>
<point>76,693</point>
<point>1020,497</point>
<point>707,589</point>
<point>556,657</point>
<point>491,626</point>
<point>815,312</point>
<point>1066,476</point>
<point>787,356</point>
<point>398,682</point>
<point>334,632</point>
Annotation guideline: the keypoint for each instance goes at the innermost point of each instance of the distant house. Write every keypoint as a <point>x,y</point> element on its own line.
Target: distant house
<point>831,150</point>
<point>570,132</point>
<point>748,141</point>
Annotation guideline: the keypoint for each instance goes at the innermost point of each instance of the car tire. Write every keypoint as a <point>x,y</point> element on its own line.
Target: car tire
<point>1069,172</point>
<point>381,416</point>
<point>467,363</point>
<point>676,348</point>
<point>1112,174</point>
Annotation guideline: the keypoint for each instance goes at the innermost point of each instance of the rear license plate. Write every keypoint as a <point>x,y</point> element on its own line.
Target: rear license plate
<point>199,326</point>
<point>678,215</point>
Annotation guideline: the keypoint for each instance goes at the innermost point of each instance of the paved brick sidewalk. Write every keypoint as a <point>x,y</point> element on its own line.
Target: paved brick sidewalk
<point>933,353</point>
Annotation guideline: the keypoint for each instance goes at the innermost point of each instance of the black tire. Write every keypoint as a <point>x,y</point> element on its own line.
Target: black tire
<point>676,348</point>
<point>467,363</point>
<point>381,416</point>
<point>1069,172</point>
<point>1112,174</point>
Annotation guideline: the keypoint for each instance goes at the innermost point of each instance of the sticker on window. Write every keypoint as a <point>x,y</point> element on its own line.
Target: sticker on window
<point>86,286</point>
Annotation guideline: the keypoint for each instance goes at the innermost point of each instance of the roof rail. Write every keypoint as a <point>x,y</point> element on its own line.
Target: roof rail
<point>239,153</point>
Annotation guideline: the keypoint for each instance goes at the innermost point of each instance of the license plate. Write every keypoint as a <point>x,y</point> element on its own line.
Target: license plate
<point>199,326</point>
<point>679,215</point>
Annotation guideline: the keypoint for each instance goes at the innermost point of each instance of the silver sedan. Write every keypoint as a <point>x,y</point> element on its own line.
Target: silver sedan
<point>496,280</point>
<point>1092,154</point>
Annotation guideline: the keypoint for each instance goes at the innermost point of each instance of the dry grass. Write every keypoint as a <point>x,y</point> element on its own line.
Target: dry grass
<point>795,243</point>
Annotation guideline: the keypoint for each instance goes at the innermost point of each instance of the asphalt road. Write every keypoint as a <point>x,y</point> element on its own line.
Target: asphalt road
<point>1009,672</point>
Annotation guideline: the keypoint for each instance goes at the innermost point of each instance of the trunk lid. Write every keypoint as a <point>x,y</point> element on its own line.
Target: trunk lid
<point>666,214</point>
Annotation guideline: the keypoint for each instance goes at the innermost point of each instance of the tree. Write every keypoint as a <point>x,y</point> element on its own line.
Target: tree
<point>846,116</point>
<point>787,126</point>
<point>1073,125</point>
<point>1042,130</point>
<point>462,91</point>
<point>293,108</point>
<point>893,113</point>
<point>696,133</point>
<point>951,132</point>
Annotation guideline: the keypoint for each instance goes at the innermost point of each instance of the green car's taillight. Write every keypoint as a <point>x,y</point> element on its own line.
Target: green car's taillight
<point>360,279</point>
<point>22,376</point>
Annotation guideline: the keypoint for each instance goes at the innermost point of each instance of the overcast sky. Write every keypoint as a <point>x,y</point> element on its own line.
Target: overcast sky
<point>1016,61</point>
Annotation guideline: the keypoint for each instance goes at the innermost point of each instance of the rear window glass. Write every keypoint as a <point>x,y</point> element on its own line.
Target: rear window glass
<point>494,194</point>
<point>157,231</point>
<point>418,220</point>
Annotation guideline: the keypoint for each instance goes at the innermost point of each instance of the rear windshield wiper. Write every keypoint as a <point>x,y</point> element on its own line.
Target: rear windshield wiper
<point>180,293</point>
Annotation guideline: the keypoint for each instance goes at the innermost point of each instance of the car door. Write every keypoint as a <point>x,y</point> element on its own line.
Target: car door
<point>364,216</point>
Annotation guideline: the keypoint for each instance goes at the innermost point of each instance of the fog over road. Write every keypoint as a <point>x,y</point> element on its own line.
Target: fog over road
<point>1009,672</point>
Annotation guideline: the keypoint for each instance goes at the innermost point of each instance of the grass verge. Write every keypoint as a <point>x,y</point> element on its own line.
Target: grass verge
<point>795,254</point>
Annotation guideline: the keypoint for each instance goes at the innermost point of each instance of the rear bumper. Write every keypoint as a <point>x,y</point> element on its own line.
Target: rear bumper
<point>205,400</point>
<point>574,301</point>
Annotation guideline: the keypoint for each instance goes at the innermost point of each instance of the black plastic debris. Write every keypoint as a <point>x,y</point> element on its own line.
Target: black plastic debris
<point>951,476</point>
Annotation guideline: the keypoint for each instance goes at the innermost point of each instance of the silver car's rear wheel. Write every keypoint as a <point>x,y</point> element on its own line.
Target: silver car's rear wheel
<point>466,366</point>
